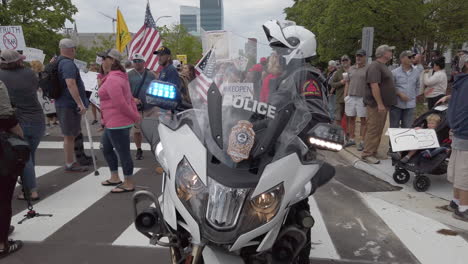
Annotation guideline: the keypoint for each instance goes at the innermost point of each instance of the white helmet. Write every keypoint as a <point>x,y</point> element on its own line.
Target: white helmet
<point>297,41</point>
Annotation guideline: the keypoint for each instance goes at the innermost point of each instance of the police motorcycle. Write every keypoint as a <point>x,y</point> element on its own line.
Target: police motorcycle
<point>238,167</point>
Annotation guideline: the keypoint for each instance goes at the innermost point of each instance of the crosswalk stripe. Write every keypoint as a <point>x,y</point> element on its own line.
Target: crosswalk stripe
<point>419,234</point>
<point>43,170</point>
<point>59,145</point>
<point>322,244</point>
<point>132,238</point>
<point>64,205</point>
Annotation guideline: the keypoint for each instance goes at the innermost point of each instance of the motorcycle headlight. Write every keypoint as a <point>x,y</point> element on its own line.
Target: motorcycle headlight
<point>191,190</point>
<point>188,183</point>
<point>267,204</point>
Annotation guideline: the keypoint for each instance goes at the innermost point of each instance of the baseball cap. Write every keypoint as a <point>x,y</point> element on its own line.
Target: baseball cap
<point>138,56</point>
<point>256,68</point>
<point>8,56</point>
<point>163,51</point>
<point>361,52</point>
<point>345,57</point>
<point>112,53</point>
<point>332,63</point>
<point>67,44</point>
<point>176,63</point>
<point>462,61</point>
<point>407,53</point>
<point>263,59</point>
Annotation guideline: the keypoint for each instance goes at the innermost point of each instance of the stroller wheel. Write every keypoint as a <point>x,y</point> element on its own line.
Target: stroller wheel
<point>401,176</point>
<point>421,183</point>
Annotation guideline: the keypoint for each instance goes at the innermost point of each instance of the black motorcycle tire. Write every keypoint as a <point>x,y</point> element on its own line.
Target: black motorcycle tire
<point>303,257</point>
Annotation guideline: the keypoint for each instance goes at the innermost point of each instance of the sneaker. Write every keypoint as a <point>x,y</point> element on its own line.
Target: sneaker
<point>11,247</point>
<point>360,147</point>
<point>371,160</point>
<point>139,154</point>
<point>452,207</point>
<point>350,143</point>
<point>75,167</point>
<point>461,215</point>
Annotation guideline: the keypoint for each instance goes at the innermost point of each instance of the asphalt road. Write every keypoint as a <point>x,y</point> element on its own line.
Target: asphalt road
<point>91,225</point>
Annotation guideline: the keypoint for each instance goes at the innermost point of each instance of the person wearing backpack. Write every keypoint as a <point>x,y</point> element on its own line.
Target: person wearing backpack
<point>71,104</point>
<point>22,84</point>
<point>140,78</point>
<point>8,123</point>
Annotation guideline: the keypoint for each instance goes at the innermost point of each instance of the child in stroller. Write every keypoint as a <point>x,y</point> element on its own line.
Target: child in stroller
<point>429,161</point>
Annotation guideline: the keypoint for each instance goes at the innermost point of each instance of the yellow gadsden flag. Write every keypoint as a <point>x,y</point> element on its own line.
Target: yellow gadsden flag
<point>123,36</point>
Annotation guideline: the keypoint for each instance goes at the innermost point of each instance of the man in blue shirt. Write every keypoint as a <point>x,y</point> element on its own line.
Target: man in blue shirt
<point>71,104</point>
<point>406,78</point>
<point>169,72</point>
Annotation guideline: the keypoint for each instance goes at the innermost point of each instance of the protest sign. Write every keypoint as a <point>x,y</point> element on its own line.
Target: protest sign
<point>241,63</point>
<point>232,90</point>
<point>48,106</point>
<point>32,54</point>
<point>94,99</point>
<point>182,59</point>
<point>82,65</point>
<point>98,60</point>
<point>11,37</point>
<point>403,139</point>
<point>219,40</point>
<point>89,80</point>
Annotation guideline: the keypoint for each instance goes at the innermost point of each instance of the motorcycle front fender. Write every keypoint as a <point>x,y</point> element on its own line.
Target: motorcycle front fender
<point>214,256</point>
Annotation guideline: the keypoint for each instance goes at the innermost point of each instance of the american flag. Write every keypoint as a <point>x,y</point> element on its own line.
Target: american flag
<point>146,41</point>
<point>204,73</point>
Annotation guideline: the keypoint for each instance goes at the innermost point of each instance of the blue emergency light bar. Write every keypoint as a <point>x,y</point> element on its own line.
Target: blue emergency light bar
<point>162,90</point>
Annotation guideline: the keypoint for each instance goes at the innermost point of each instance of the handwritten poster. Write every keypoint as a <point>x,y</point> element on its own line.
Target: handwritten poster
<point>403,139</point>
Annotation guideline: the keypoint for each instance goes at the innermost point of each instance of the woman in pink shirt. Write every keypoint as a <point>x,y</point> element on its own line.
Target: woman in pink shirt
<point>119,114</point>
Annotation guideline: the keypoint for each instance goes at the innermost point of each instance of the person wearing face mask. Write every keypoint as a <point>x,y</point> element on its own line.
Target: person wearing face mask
<point>119,114</point>
<point>379,97</point>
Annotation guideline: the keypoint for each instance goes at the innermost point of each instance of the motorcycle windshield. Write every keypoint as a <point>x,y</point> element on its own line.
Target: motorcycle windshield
<point>247,108</point>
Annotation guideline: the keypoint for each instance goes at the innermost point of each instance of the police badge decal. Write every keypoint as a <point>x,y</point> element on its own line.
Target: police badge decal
<point>241,141</point>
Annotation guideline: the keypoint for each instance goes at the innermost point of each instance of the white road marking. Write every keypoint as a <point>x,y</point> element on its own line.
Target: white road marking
<point>43,170</point>
<point>419,234</point>
<point>64,205</point>
<point>131,237</point>
<point>59,145</point>
<point>322,244</point>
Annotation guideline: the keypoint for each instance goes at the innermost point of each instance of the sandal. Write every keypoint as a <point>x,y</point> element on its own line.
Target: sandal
<point>11,247</point>
<point>123,190</point>
<point>109,183</point>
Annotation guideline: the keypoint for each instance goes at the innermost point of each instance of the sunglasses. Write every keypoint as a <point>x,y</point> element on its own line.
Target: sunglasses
<point>345,60</point>
<point>138,61</point>
<point>411,57</point>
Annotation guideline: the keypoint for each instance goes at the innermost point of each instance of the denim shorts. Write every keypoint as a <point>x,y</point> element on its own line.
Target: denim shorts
<point>69,120</point>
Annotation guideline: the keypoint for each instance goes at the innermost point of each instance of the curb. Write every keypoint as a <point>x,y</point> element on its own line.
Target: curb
<point>420,202</point>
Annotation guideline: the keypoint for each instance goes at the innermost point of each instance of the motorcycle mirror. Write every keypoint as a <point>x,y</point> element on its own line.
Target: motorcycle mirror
<point>326,136</point>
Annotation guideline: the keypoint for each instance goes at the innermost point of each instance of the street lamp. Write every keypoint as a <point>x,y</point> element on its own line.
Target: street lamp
<point>157,19</point>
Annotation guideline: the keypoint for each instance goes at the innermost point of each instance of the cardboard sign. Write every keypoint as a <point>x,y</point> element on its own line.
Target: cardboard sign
<point>11,37</point>
<point>89,80</point>
<point>34,54</point>
<point>48,106</point>
<point>233,90</point>
<point>403,139</point>
<point>219,40</point>
<point>94,99</point>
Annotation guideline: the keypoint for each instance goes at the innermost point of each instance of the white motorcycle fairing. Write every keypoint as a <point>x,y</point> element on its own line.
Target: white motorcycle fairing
<point>289,171</point>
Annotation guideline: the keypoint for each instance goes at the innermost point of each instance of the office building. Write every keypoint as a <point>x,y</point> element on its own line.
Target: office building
<point>212,15</point>
<point>190,18</point>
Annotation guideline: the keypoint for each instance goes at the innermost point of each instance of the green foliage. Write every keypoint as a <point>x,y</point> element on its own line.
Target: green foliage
<point>89,54</point>
<point>180,42</point>
<point>41,20</point>
<point>403,23</point>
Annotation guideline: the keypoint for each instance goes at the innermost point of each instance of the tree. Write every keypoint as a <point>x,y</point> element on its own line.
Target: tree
<point>180,42</point>
<point>41,20</point>
<point>89,54</point>
<point>403,23</point>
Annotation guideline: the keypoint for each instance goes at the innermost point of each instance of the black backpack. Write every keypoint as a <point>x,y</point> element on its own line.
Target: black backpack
<point>49,80</point>
<point>14,153</point>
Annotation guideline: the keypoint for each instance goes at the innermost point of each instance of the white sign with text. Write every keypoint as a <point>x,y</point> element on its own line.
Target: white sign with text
<point>11,37</point>
<point>48,105</point>
<point>403,139</point>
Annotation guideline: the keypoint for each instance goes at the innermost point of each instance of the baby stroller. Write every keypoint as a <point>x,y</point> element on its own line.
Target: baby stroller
<point>436,165</point>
